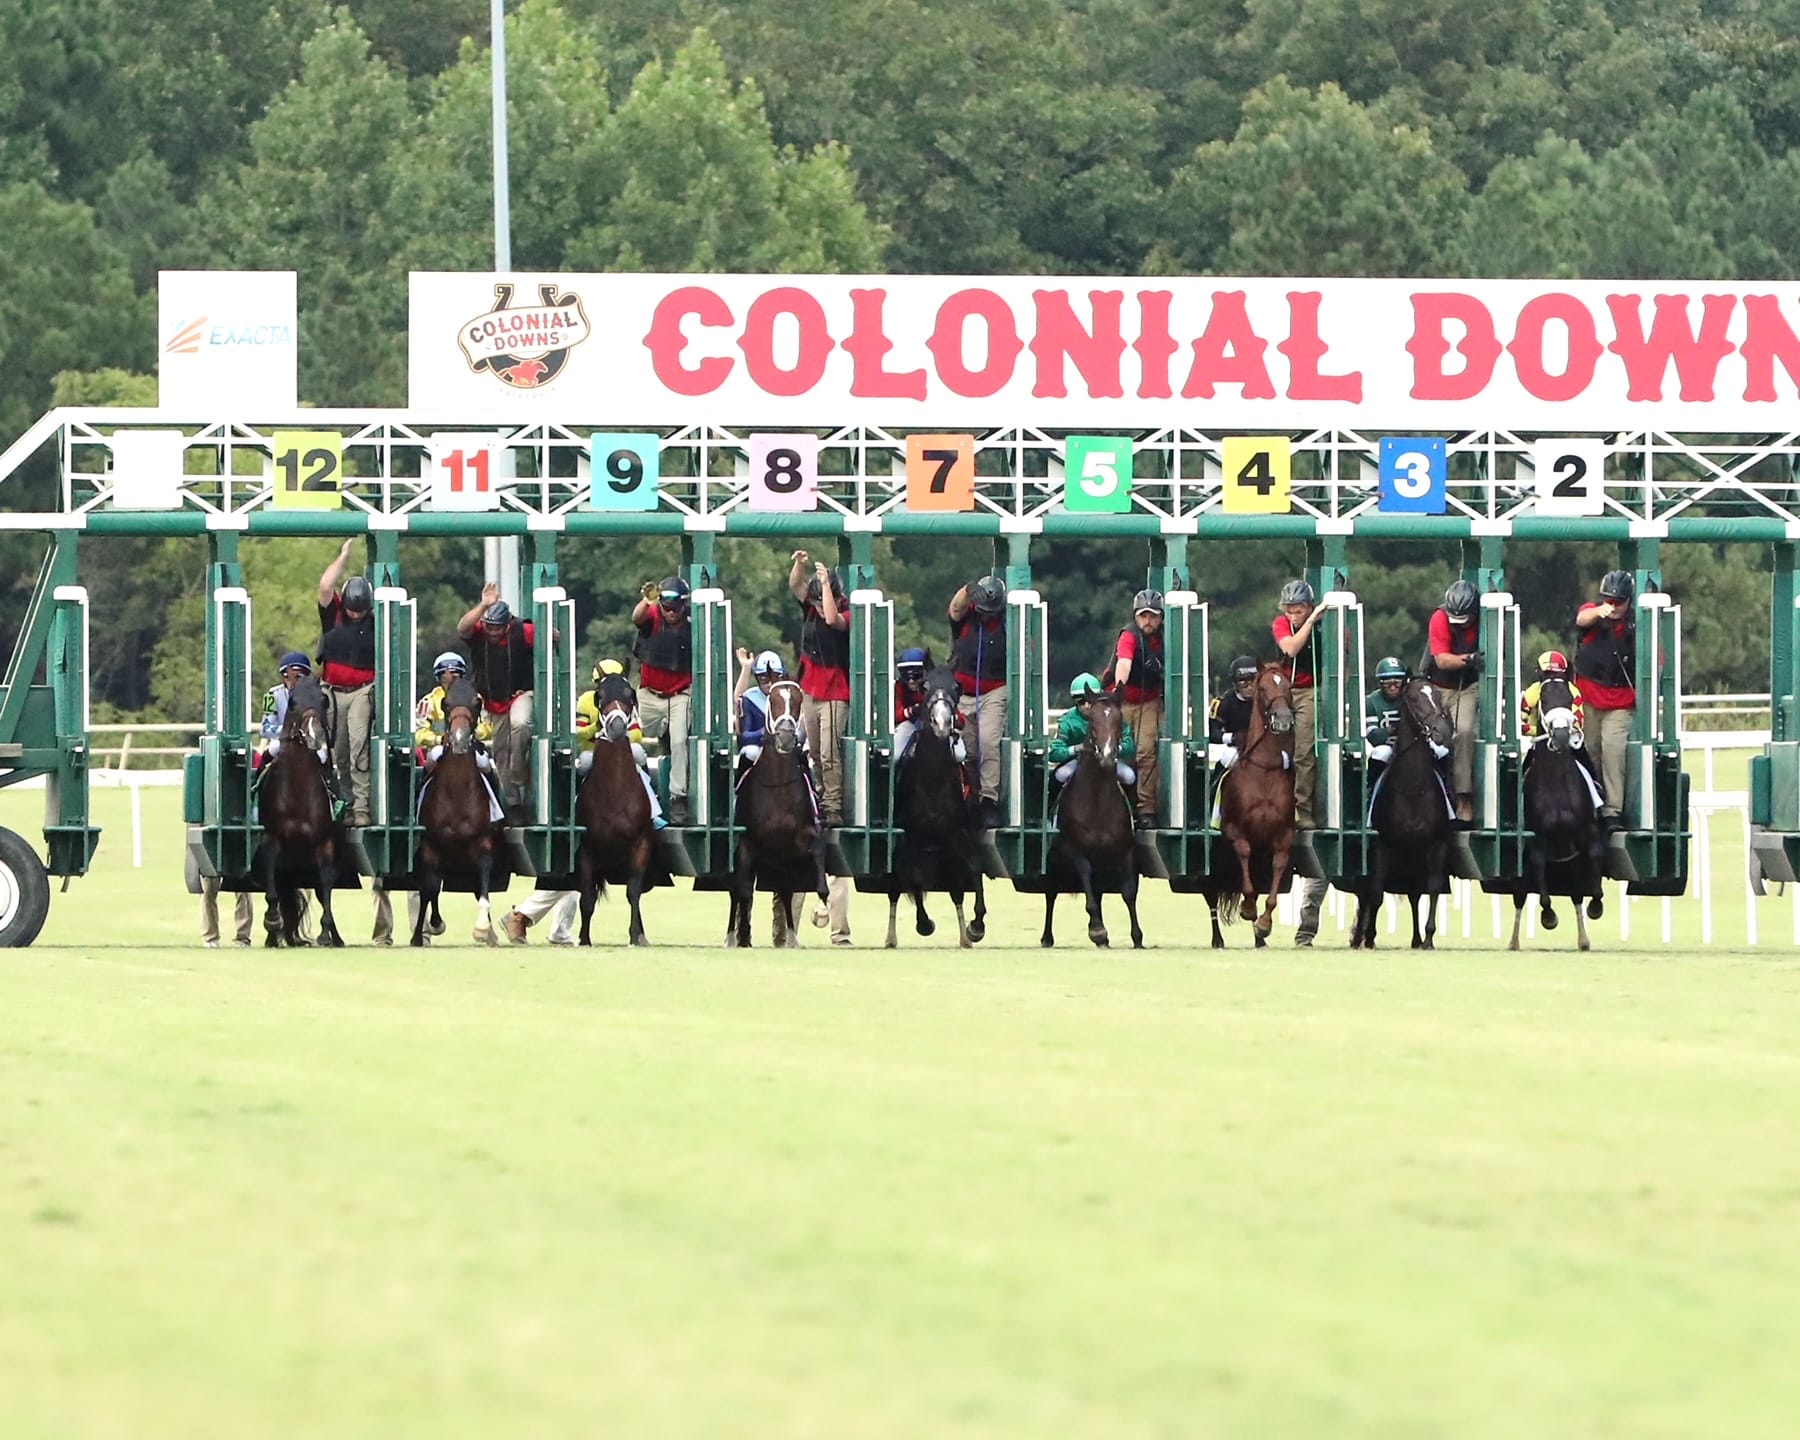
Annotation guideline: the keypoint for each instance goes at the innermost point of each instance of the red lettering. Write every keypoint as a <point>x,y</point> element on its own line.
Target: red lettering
<point>666,342</point>
<point>1671,338</point>
<point>1155,346</point>
<point>868,346</point>
<point>758,341</point>
<point>1527,347</point>
<point>1229,352</point>
<point>1429,346</point>
<point>1767,338</point>
<point>1003,343</point>
<point>1304,350</point>
<point>1059,336</point>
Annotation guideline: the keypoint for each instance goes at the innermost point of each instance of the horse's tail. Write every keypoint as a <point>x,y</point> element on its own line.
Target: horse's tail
<point>1224,904</point>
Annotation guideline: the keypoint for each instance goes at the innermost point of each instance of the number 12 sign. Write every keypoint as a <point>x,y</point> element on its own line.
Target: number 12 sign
<point>1569,473</point>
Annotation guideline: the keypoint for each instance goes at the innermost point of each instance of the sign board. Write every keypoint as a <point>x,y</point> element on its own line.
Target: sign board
<point>1414,474</point>
<point>1118,354</point>
<point>1097,474</point>
<point>940,472</point>
<point>1569,473</point>
<point>147,469</point>
<point>1259,472</point>
<point>226,343</point>
<point>784,472</point>
<point>309,469</point>
<point>465,471</point>
<point>625,471</point>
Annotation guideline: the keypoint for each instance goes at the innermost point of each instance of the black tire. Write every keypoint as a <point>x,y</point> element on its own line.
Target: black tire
<point>24,891</point>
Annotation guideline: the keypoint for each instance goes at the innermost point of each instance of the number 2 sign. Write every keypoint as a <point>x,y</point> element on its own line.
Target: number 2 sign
<point>1569,475</point>
<point>784,472</point>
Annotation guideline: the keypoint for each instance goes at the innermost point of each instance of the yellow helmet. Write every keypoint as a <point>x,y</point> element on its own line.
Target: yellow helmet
<point>603,668</point>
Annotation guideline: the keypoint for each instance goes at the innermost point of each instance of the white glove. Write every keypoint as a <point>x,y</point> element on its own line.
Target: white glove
<point>1228,755</point>
<point>1287,761</point>
<point>1440,751</point>
<point>1383,753</point>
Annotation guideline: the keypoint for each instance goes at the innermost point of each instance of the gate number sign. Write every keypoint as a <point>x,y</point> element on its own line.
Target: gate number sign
<point>784,472</point>
<point>1097,474</point>
<point>1413,474</point>
<point>1258,474</point>
<point>625,471</point>
<point>1569,473</point>
<point>464,472</point>
<point>940,472</point>
<point>309,465</point>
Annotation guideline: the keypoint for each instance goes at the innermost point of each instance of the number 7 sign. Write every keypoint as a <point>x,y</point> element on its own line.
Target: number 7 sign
<point>940,472</point>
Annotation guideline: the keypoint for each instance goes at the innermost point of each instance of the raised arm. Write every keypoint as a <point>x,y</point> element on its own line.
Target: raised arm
<point>640,612</point>
<point>471,621</point>
<point>334,572</point>
<point>959,603</point>
<point>799,573</point>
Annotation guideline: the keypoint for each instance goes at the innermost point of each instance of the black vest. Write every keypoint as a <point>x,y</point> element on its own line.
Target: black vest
<point>1607,658</point>
<point>978,651</point>
<point>824,645</point>
<point>1464,640</point>
<point>666,646</point>
<point>350,643</point>
<point>502,671</point>
<point>1146,672</point>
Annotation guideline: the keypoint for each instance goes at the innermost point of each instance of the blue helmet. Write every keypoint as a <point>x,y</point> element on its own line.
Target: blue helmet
<point>499,613</point>
<point>913,659</point>
<point>294,660</point>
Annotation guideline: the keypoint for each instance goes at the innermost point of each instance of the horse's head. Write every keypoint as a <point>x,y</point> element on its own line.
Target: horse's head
<point>1106,726</point>
<point>614,699</point>
<point>1272,695</point>
<point>1423,704</point>
<point>306,714</point>
<point>941,696</point>
<point>1557,706</point>
<point>784,716</point>
<point>461,706</point>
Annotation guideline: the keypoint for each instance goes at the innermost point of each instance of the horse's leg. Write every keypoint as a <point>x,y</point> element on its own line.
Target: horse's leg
<point>1247,903</point>
<point>484,913</point>
<point>893,935</point>
<point>1418,940</point>
<point>1518,914</point>
<point>743,889</point>
<point>1581,935</point>
<point>428,894</point>
<point>264,862</point>
<point>328,931</point>
<point>1048,939</point>
<point>1278,868</point>
<point>1540,871</point>
<point>1084,869</point>
<point>634,893</point>
<point>978,926</point>
<point>1212,910</point>
<point>589,891</point>
<point>1431,904</point>
<point>922,922</point>
<point>962,928</point>
<point>1129,893</point>
<point>790,902</point>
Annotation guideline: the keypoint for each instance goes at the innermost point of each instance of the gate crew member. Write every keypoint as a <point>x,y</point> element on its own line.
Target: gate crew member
<point>1138,672</point>
<point>824,674</point>
<point>501,661</point>
<point>1293,629</point>
<point>347,652</point>
<point>1606,661</point>
<point>665,653</point>
<point>978,655</point>
<point>1453,645</point>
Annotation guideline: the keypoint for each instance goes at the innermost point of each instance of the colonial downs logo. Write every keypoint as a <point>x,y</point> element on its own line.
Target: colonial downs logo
<point>527,347</point>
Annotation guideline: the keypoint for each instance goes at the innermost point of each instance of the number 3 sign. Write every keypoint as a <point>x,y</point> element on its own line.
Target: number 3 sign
<point>1413,471</point>
<point>784,472</point>
<point>1569,473</point>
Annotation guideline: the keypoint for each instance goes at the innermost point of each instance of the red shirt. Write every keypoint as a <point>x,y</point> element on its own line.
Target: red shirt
<point>501,707</point>
<point>1439,641</point>
<point>963,677</point>
<point>1596,694</point>
<point>1129,640</point>
<point>823,682</point>
<point>334,672</point>
<point>661,682</point>
<point>1299,667</point>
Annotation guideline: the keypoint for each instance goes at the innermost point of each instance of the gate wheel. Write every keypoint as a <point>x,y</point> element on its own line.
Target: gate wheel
<point>24,891</point>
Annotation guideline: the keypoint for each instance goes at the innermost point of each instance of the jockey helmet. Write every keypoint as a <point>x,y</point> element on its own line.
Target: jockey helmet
<point>294,660</point>
<point>768,663</point>
<point>674,591</point>
<point>1084,685</point>
<point>1389,667</point>
<point>499,613</point>
<point>1617,585</point>
<point>815,594</point>
<point>1460,601</point>
<point>1151,600</point>
<point>1298,592</point>
<point>449,661</point>
<point>358,594</point>
<point>1243,670</point>
<point>913,659</point>
<point>606,667</point>
<point>1553,662</point>
<point>988,595</point>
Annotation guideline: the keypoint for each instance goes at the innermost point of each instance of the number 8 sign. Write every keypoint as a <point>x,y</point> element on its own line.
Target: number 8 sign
<point>1413,471</point>
<point>784,472</point>
<point>624,471</point>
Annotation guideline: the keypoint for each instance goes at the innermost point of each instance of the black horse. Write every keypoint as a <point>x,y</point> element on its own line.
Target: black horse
<point>1095,838</point>
<point>300,837</point>
<point>456,828</point>
<point>937,843</point>
<point>616,824</point>
<point>1567,849</point>
<point>781,844</point>
<point>1411,820</point>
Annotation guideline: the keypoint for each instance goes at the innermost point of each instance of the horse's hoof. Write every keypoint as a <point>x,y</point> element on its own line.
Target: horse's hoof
<point>731,942</point>
<point>272,942</point>
<point>641,941</point>
<point>891,943</point>
<point>1596,908</point>
<point>1512,945</point>
<point>1247,907</point>
<point>1097,933</point>
<point>419,942</point>
<point>1583,945</point>
<point>792,942</point>
<point>486,937</point>
<point>925,926</point>
<point>1047,943</point>
<point>1356,942</point>
<point>962,940</point>
<point>436,927</point>
<point>1262,941</point>
<point>1547,918</point>
<point>1137,940</point>
<point>977,932</point>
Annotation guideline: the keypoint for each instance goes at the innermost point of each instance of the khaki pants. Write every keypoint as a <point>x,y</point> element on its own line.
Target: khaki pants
<point>837,911</point>
<point>209,913</point>
<point>1145,719</point>
<point>989,711</point>
<point>825,722</point>
<point>668,719</point>
<point>1606,734</point>
<point>511,748</point>
<point>383,931</point>
<point>1306,760</point>
<point>353,720</point>
<point>1465,715</point>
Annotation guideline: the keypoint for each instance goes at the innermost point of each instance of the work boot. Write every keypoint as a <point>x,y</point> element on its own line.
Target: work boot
<point>1465,811</point>
<point>678,810</point>
<point>515,926</point>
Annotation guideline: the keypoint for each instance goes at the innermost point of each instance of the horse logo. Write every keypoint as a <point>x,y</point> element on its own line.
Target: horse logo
<point>527,347</point>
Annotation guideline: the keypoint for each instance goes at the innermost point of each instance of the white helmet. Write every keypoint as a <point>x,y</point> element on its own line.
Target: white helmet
<point>768,663</point>
<point>450,661</point>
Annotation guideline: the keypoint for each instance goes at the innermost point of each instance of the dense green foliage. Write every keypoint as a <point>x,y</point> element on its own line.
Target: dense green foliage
<point>1630,138</point>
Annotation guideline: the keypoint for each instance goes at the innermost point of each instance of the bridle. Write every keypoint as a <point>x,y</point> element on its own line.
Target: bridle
<point>459,730</point>
<point>784,728</point>
<point>615,720</point>
<point>1269,713</point>
<point>940,711</point>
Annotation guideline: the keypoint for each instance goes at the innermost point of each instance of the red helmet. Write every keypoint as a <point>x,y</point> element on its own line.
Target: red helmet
<point>1553,662</point>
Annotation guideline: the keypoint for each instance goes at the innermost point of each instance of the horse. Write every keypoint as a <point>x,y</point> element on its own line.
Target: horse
<point>299,833</point>
<point>781,843</point>
<point>456,828</point>
<point>1411,820</point>
<point>1095,840</point>
<point>614,812</point>
<point>1567,848</point>
<point>937,841</point>
<point>1256,809</point>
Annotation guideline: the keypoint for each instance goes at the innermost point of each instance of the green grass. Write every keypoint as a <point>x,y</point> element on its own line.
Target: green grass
<point>849,1194</point>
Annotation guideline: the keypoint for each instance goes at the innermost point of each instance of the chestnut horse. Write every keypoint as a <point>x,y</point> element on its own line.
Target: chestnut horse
<point>1256,809</point>
<point>455,824</point>
<point>614,811</point>
<point>781,843</point>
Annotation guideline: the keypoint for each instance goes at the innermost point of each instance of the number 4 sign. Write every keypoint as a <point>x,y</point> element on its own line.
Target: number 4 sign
<point>1569,474</point>
<point>1097,474</point>
<point>464,470</point>
<point>1258,473</point>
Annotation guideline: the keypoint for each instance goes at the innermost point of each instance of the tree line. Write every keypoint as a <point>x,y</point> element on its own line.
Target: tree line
<point>1561,138</point>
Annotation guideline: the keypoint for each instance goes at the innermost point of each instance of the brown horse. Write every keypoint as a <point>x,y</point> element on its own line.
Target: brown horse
<point>455,824</point>
<point>299,834</point>
<point>1094,838</point>
<point>614,811</point>
<point>1256,809</point>
<point>781,844</point>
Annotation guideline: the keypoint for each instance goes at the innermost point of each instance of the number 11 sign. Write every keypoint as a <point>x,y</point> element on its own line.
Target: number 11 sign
<point>463,472</point>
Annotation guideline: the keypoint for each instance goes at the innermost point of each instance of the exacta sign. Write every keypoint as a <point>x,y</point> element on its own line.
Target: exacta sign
<point>816,350</point>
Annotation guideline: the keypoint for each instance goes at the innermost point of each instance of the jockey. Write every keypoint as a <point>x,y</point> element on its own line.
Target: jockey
<point>756,677</point>
<point>909,700</point>
<point>431,727</point>
<point>608,675</point>
<point>1534,719</point>
<point>1072,733</point>
<point>1383,705</point>
<point>1229,718</point>
<point>294,668</point>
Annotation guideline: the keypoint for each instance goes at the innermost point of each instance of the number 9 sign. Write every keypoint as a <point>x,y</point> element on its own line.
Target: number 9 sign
<point>1097,474</point>
<point>625,470</point>
<point>784,472</point>
<point>1413,472</point>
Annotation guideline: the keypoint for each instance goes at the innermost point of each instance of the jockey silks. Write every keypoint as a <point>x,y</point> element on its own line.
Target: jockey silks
<point>504,670</point>
<point>665,653</point>
<point>1230,715</point>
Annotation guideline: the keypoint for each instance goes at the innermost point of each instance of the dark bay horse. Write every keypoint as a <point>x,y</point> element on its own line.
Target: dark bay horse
<point>1567,848</point>
<point>937,842</point>
<point>781,841</point>
<point>1411,820</point>
<point>1095,841</point>
<point>455,824</point>
<point>614,812</point>
<point>299,834</point>
<point>1256,810</point>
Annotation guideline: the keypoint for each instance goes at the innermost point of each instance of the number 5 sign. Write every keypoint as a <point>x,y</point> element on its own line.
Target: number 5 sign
<point>784,472</point>
<point>1569,473</point>
<point>1097,474</point>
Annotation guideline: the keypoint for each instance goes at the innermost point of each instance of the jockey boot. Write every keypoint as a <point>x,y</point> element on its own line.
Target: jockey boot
<point>1139,820</point>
